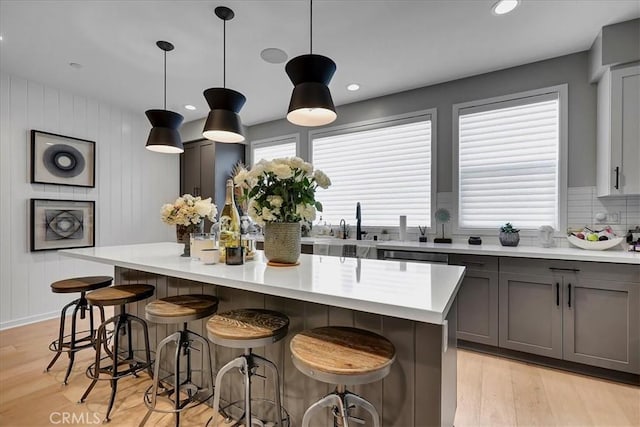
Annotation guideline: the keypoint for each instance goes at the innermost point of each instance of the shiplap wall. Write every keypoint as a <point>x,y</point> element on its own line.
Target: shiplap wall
<point>131,185</point>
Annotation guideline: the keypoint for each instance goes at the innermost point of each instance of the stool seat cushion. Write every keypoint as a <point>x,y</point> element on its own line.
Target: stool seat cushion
<point>190,307</point>
<point>120,294</point>
<point>247,324</point>
<point>342,350</point>
<point>80,284</point>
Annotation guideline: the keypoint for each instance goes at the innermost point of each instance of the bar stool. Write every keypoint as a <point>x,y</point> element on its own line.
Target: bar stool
<point>342,356</point>
<point>118,295</point>
<point>248,329</point>
<point>73,343</point>
<point>171,310</point>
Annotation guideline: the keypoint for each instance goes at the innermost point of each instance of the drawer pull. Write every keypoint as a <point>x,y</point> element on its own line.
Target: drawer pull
<point>558,294</point>
<point>470,263</point>
<point>569,295</point>
<point>575,270</point>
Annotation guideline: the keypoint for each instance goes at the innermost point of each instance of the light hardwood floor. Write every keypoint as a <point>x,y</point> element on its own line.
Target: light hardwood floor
<point>492,391</point>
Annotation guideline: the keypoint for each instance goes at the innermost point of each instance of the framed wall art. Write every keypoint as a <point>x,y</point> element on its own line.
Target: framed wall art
<point>62,224</point>
<point>62,160</point>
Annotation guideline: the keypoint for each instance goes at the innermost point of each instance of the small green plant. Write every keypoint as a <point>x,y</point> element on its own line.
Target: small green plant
<point>508,228</point>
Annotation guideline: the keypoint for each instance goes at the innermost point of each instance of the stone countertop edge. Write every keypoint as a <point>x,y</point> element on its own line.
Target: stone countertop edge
<point>618,256</point>
<point>424,292</point>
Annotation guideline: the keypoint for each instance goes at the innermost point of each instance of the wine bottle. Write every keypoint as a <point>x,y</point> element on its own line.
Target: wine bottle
<point>229,223</point>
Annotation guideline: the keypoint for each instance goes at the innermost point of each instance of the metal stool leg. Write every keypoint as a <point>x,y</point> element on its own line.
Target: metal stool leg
<point>207,349</point>
<point>276,383</point>
<point>238,362</point>
<point>329,401</point>
<point>351,398</point>
<point>100,343</point>
<point>63,315</point>
<point>120,324</point>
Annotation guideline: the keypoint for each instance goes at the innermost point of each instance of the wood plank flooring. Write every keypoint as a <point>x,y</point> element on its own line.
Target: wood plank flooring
<point>492,391</point>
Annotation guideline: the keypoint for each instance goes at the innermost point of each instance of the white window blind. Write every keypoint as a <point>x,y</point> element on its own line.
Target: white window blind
<point>273,150</point>
<point>508,163</point>
<point>387,170</point>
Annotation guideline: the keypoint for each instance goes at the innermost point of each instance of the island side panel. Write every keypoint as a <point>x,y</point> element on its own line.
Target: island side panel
<point>419,391</point>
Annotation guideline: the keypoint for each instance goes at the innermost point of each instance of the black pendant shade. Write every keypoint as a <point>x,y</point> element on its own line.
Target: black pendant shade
<point>311,103</point>
<point>223,122</point>
<point>164,136</point>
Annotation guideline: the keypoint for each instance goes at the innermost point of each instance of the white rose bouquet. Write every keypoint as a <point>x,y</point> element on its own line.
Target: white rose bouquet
<point>281,190</point>
<point>188,211</point>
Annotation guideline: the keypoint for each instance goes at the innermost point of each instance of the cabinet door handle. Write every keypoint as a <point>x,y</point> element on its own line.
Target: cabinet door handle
<point>558,294</point>
<point>575,270</point>
<point>617,186</point>
<point>569,303</point>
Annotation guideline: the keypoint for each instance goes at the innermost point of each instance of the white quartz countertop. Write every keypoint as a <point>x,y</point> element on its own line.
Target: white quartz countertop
<point>614,255</point>
<point>420,292</point>
<point>572,254</point>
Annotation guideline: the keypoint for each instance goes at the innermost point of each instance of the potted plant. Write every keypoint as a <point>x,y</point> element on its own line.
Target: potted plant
<point>187,213</point>
<point>509,236</point>
<point>281,195</point>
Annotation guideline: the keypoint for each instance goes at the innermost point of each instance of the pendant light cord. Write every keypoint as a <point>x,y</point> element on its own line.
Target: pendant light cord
<point>165,79</point>
<point>310,26</point>
<point>224,53</point>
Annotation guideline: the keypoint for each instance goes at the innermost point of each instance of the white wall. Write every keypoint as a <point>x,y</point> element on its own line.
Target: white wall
<point>131,185</point>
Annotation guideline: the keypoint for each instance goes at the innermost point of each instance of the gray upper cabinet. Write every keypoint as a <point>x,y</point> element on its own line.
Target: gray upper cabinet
<point>477,315</point>
<point>531,313</point>
<point>205,166</point>
<point>618,133</point>
<point>602,324</point>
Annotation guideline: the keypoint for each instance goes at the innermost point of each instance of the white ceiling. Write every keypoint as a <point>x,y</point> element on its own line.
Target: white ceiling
<point>385,46</point>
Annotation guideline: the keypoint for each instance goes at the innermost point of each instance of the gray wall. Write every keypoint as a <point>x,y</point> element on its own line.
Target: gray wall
<point>571,69</point>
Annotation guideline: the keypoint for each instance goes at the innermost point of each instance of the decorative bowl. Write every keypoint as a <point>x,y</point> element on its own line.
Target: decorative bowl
<point>595,246</point>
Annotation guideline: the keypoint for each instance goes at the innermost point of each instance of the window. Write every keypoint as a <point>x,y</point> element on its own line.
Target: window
<point>274,148</point>
<point>386,166</point>
<point>510,154</point>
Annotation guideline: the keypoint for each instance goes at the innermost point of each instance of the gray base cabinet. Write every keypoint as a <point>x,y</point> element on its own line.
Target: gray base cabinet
<point>477,316</point>
<point>530,314</point>
<point>602,324</point>
<point>577,311</point>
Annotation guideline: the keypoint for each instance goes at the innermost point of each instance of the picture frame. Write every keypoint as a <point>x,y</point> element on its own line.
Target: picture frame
<point>62,224</point>
<point>62,160</point>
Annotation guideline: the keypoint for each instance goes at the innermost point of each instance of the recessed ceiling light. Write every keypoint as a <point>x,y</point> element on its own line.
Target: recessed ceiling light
<point>504,6</point>
<point>190,107</point>
<point>273,55</point>
<point>1,38</point>
<point>75,65</point>
<point>353,87</point>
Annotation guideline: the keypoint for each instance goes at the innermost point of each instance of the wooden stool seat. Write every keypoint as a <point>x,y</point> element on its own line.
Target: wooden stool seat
<point>120,294</point>
<point>181,308</point>
<point>247,324</point>
<point>342,351</point>
<point>80,284</point>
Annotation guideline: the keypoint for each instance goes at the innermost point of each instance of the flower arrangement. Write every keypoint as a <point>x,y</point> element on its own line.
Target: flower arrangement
<point>188,210</point>
<point>281,190</point>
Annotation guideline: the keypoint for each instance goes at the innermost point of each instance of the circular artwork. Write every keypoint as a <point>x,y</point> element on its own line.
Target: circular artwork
<point>63,160</point>
<point>63,224</point>
<point>442,215</point>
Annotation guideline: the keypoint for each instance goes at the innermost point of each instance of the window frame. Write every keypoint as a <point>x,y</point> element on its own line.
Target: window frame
<point>505,101</point>
<point>382,122</point>
<point>270,142</point>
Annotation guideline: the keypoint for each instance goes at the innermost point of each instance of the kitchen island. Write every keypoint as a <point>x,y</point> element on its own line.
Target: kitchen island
<point>411,304</point>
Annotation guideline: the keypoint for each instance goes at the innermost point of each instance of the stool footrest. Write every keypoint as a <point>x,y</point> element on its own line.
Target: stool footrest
<point>135,366</point>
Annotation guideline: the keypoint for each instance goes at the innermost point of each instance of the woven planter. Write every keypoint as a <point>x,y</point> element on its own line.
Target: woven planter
<point>282,242</point>
<point>509,239</point>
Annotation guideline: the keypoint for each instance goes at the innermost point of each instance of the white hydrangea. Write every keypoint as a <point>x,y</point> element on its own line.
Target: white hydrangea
<point>322,179</point>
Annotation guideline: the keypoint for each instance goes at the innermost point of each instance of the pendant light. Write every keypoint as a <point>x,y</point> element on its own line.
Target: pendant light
<point>223,122</point>
<point>311,103</point>
<point>164,136</point>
